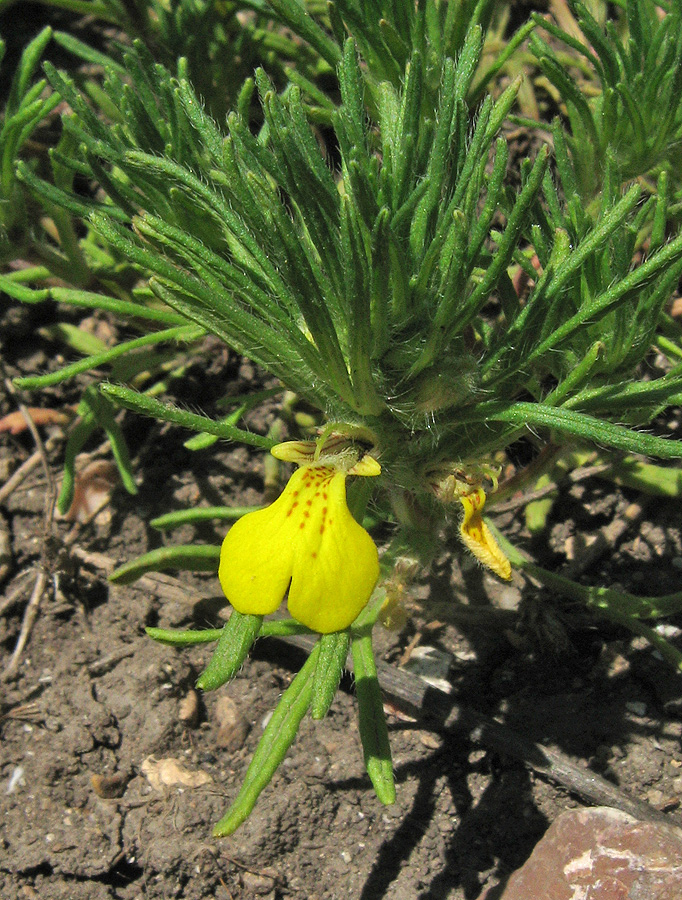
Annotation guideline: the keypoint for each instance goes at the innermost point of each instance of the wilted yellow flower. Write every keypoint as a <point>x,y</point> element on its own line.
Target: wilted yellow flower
<point>478,537</point>
<point>308,542</point>
<point>463,482</point>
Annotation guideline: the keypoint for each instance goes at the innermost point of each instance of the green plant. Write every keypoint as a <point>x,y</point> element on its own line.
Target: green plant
<point>621,88</point>
<point>25,108</point>
<point>379,289</point>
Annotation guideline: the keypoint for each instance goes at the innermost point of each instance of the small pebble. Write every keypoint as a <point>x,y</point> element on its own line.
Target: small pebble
<point>509,598</point>
<point>668,631</point>
<point>257,884</point>
<point>233,727</point>
<point>318,769</point>
<point>109,787</point>
<point>16,779</point>
<point>188,712</point>
<point>432,665</point>
<point>430,740</point>
<point>655,797</point>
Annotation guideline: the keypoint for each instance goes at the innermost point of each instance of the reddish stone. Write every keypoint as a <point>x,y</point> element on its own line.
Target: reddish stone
<point>599,854</point>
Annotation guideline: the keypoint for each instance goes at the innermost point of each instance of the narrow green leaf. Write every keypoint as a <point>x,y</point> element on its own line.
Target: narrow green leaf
<point>617,399</point>
<point>184,638</point>
<point>201,514</point>
<point>203,441</point>
<point>352,94</point>
<point>278,736</point>
<point>21,292</point>
<point>78,437</point>
<point>186,333</point>
<point>576,376</point>
<point>192,558</point>
<point>282,628</point>
<point>579,425</point>
<point>330,665</point>
<point>78,339</point>
<point>105,416</point>
<point>549,288</point>
<point>63,199</point>
<point>301,22</point>
<point>466,310</point>
<point>126,308</point>
<point>657,481</point>
<point>88,53</point>
<point>502,57</point>
<point>373,730</point>
<point>26,69</point>
<point>670,253</point>
<point>166,412</point>
<point>660,220</point>
<point>234,644</point>
<point>93,411</point>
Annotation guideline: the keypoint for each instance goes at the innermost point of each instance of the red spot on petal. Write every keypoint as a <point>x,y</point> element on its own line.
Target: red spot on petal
<point>302,525</point>
<point>314,554</point>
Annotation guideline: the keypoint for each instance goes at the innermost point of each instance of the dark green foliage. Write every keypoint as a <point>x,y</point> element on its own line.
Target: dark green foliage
<point>633,127</point>
<point>346,219</point>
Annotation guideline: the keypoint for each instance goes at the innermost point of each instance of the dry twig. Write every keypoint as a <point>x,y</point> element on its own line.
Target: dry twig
<point>16,593</point>
<point>157,583</point>
<point>432,707</point>
<point>25,469</point>
<point>30,615</point>
<point>42,577</point>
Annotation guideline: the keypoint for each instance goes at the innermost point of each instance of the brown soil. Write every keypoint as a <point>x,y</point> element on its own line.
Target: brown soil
<point>93,696</point>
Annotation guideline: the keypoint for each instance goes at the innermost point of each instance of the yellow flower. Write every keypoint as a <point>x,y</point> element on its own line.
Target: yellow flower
<point>463,482</point>
<point>478,537</point>
<point>308,542</point>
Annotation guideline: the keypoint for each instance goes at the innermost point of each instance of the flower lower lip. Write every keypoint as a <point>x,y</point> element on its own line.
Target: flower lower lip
<point>306,543</point>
